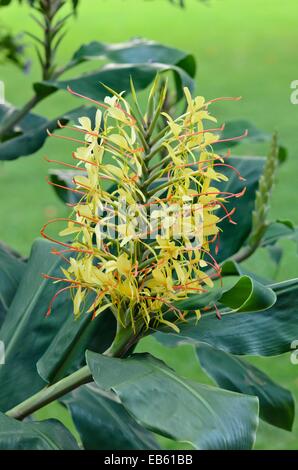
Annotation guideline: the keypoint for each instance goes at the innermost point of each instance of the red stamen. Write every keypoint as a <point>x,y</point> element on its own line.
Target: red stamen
<point>217,244</point>
<point>224,98</point>
<point>59,253</point>
<point>102,105</point>
<point>224,208</point>
<point>47,237</point>
<point>54,298</point>
<point>202,132</point>
<point>64,164</point>
<point>72,92</point>
<point>61,279</point>
<point>76,129</point>
<point>50,134</point>
<point>217,312</point>
<point>218,268</point>
<point>239,137</point>
<point>65,187</point>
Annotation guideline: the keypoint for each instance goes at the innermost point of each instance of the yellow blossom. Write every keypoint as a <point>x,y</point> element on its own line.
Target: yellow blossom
<point>138,263</point>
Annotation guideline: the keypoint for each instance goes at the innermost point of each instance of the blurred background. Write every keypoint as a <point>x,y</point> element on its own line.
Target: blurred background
<point>243,48</point>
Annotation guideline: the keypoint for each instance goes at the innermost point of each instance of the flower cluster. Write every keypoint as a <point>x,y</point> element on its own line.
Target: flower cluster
<point>169,175</point>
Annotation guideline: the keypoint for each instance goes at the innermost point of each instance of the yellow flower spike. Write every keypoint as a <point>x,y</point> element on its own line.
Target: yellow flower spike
<point>139,262</point>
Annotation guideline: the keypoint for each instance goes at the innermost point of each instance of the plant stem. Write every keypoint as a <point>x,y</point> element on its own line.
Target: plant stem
<point>48,10</point>
<point>17,115</point>
<point>122,343</point>
<point>51,393</point>
<point>125,339</point>
<point>244,253</point>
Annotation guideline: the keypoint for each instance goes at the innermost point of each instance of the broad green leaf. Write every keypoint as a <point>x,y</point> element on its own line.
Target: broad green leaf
<point>248,295</point>
<point>195,302</point>
<point>11,272</point>
<point>266,333</point>
<point>135,51</point>
<point>232,236</point>
<point>277,230</point>
<point>103,423</point>
<point>26,143</point>
<point>156,58</point>
<point>115,76</point>
<point>277,405</point>
<point>29,121</point>
<point>26,331</point>
<point>275,252</point>
<point>183,410</point>
<point>141,59</point>
<point>33,137</point>
<point>66,352</point>
<point>245,294</point>
<point>29,435</point>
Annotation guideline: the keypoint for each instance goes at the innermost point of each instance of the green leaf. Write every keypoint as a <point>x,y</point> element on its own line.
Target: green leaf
<point>195,302</point>
<point>146,59</point>
<point>277,405</point>
<point>275,252</point>
<point>135,51</point>
<point>248,295</point>
<point>233,237</point>
<point>103,423</point>
<point>183,410</point>
<point>45,435</point>
<point>29,121</point>
<point>266,333</point>
<point>139,58</point>
<point>12,48</point>
<point>33,136</point>
<point>273,233</point>
<point>245,295</point>
<point>11,272</point>
<point>115,76</point>
<point>66,352</point>
<point>277,230</point>
<point>26,331</point>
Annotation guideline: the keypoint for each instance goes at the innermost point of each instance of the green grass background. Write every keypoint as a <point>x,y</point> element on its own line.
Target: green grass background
<point>246,48</point>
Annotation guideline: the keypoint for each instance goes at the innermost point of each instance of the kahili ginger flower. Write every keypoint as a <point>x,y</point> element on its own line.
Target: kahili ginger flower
<point>147,210</point>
